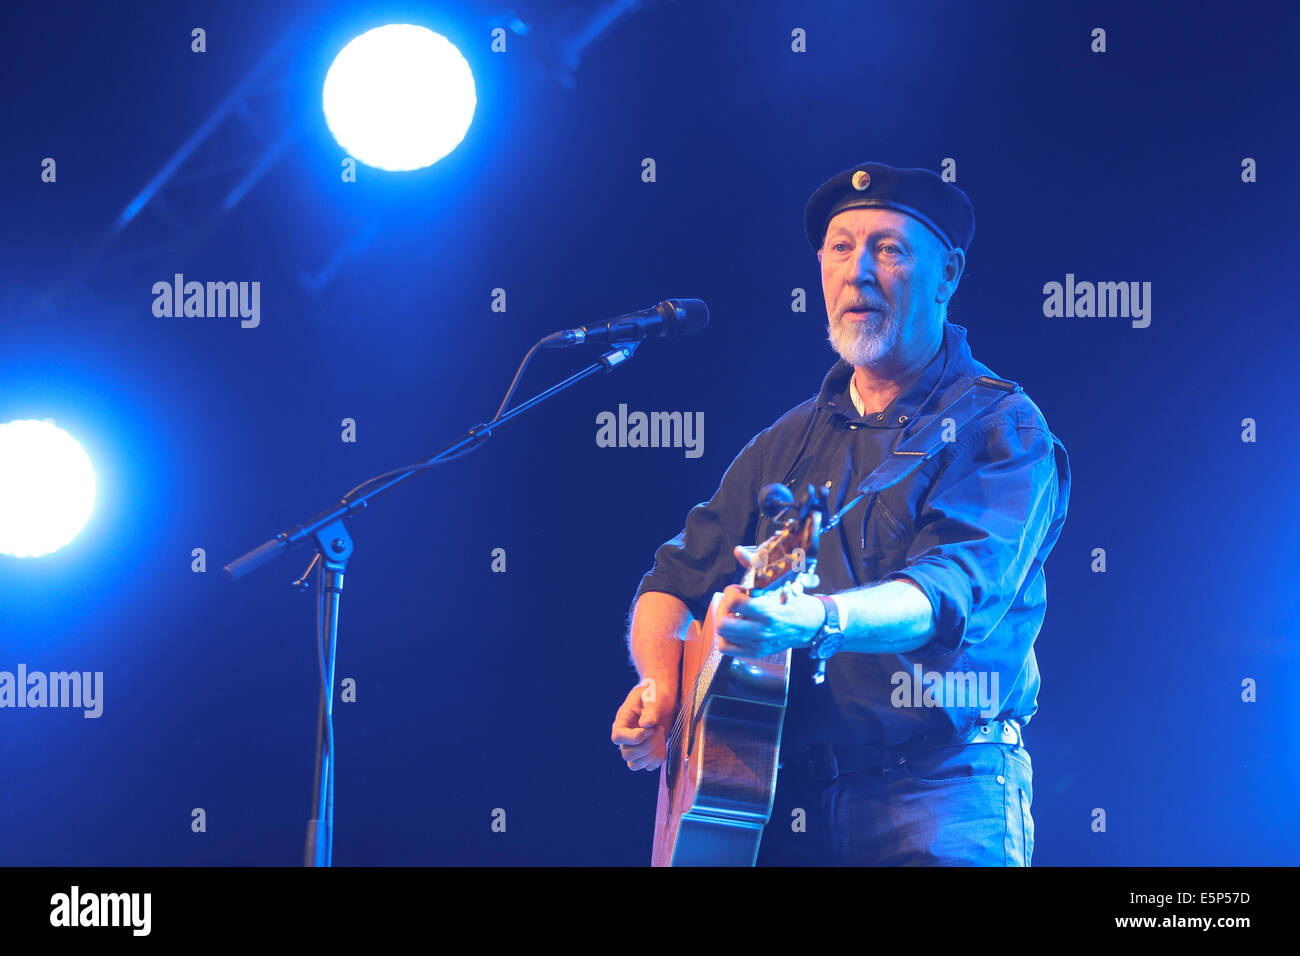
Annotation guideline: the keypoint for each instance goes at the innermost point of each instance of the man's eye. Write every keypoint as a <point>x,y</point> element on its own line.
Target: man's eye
<point>839,247</point>
<point>890,245</point>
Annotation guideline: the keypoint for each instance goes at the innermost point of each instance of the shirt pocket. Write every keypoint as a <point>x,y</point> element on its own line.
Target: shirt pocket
<point>887,539</point>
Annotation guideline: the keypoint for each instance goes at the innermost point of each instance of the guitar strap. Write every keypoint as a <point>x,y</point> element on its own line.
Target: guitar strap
<point>929,438</point>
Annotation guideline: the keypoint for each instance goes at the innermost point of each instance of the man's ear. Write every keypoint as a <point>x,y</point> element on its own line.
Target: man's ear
<point>960,266</point>
<point>954,261</point>
<point>819,257</point>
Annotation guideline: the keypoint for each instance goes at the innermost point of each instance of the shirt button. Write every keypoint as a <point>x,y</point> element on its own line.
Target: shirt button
<point>1001,779</point>
<point>880,417</point>
<point>901,419</point>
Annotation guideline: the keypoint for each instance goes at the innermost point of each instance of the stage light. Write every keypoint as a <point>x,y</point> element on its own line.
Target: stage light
<point>47,488</point>
<point>399,97</point>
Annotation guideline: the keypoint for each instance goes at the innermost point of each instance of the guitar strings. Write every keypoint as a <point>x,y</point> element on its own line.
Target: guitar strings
<point>709,669</point>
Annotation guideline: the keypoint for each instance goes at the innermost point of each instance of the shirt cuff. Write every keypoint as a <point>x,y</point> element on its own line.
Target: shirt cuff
<point>946,637</point>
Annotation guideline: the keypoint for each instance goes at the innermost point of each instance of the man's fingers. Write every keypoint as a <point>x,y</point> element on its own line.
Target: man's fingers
<point>739,637</point>
<point>629,733</point>
<point>642,747</point>
<point>632,751</point>
<point>642,751</point>
<point>736,604</point>
<point>645,756</point>
<point>745,555</point>
<point>632,738</point>
<point>627,728</point>
<point>740,629</point>
<point>733,602</point>
<point>649,762</point>
<point>628,715</point>
<point>738,650</point>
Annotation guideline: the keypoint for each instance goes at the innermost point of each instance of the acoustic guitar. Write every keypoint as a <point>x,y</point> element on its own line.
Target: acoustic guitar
<point>717,784</point>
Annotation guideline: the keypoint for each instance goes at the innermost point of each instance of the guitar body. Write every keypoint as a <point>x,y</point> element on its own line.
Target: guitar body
<point>717,786</point>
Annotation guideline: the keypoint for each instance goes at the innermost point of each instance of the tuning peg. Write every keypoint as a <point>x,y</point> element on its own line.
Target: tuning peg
<point>809,502</point>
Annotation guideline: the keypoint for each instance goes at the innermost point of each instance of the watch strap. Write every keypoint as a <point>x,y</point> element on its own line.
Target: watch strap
<point>831,636</point>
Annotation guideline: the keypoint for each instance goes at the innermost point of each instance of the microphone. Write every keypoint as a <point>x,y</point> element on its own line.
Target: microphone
<point>774,499</point>
<point>667,320</point>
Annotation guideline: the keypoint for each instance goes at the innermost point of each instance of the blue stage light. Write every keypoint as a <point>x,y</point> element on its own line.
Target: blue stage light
<point>47,488</point>
<point>399,97</point>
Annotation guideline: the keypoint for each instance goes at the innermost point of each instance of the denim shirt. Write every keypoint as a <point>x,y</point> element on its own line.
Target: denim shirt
<point>971,527</point>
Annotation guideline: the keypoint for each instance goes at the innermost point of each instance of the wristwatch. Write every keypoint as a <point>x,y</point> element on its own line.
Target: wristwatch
<point>831,637</point>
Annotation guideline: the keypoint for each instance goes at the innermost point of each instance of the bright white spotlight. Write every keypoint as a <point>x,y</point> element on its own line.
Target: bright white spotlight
<point>47,488</point>
<point>399,97</point>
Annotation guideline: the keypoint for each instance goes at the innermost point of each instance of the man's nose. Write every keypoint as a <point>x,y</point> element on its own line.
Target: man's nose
<point>863,266</point>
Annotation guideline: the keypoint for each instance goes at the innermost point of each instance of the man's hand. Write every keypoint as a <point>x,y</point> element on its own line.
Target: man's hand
<point>763,625</point>
<point>641,725</point>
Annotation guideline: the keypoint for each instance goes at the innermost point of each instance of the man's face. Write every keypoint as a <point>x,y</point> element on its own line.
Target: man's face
<point>885,277</point>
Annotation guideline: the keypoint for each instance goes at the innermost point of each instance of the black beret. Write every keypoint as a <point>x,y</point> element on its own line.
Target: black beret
<point>919,193</point>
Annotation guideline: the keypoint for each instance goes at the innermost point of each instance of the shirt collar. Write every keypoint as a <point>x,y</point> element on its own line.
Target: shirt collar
<point>909,402</point>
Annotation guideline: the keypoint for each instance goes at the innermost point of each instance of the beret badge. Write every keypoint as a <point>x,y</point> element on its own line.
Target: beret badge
<point>861,180</point>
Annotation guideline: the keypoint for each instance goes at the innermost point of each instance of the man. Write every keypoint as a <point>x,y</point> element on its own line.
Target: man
<point>910,752</point>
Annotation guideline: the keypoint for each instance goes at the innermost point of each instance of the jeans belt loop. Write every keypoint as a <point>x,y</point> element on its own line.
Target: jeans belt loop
<point>1006,731</point>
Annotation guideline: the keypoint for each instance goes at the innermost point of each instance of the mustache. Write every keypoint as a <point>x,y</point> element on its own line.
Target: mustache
<point>864,305</point>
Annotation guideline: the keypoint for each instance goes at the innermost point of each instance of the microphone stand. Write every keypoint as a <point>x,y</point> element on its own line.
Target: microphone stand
<point>333,549</point>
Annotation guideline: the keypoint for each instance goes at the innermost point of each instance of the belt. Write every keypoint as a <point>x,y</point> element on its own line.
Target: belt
<point>825,763</point>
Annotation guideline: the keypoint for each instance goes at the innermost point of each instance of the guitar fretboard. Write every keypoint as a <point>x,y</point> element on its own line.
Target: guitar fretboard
<point>775,561</point>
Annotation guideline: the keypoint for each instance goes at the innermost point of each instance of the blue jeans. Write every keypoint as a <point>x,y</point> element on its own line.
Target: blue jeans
<point>960,806</point>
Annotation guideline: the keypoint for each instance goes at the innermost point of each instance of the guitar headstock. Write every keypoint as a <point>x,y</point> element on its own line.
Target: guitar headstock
<point>788,559</point>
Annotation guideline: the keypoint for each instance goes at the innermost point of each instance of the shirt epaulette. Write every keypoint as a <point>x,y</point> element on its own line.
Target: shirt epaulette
<point>1005,384</point>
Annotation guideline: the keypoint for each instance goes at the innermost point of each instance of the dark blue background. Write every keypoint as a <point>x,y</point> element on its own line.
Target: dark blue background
<point>478,690</point>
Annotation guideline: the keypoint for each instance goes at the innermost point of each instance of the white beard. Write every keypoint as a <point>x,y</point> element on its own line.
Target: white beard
<point>864,342</point>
